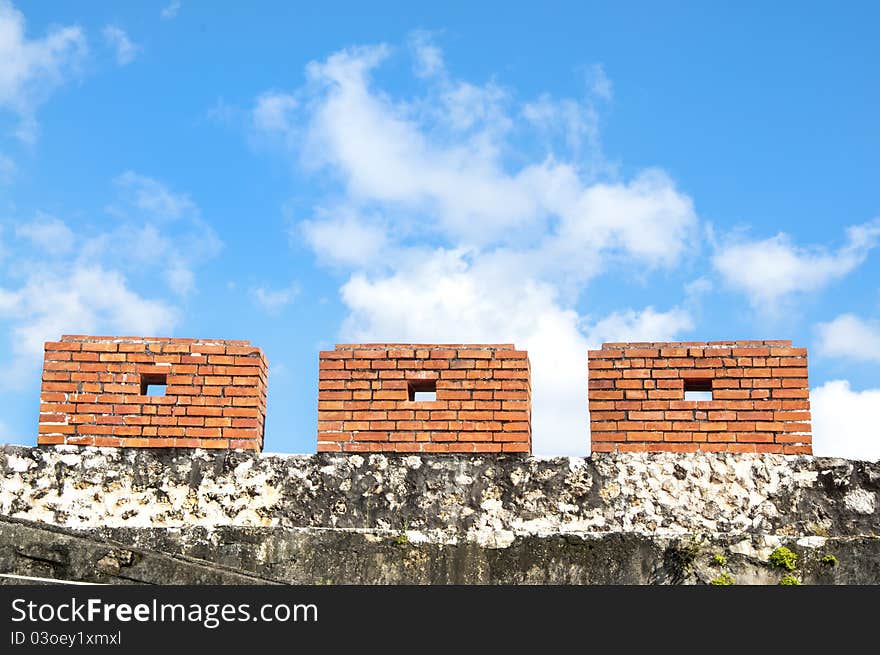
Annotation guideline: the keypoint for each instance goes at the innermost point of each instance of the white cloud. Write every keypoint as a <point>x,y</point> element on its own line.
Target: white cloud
<point>447,240</point>
<point>153,197</point>
<point>698,287</point>
<point>845,422</point>
<point>272,112</point>
<point>180,278</point>
<point>125,49</point>
<point>47,233</point>
<point>646,325</point>
<point>646,218</point>
<point>452,174</point>
<point>342,238</point>
<point>156,232</point>
<point>85,299</point>
<point>578,123</point>
<point>427,56</point>
<point>162,229</point>
<point>30,69</point>
<point>771,270</point>
<point>599,83</point>
<point>273,300</point>
<point>850,337</point>
<point>169,11</point>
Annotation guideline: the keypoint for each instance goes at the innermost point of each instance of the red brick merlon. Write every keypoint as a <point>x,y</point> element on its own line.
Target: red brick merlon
<point>151,392</point>
<point>446,398</point>
<point>760,397</point>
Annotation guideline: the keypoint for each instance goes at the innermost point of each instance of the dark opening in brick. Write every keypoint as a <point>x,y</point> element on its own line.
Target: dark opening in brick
<point>423,390</point>
<point>153,384</point>
<point>698,389</point>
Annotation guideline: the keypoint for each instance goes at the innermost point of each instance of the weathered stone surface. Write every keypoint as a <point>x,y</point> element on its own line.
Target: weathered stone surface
<point>351,518</point>
<point>484,499</point>
<point>247,555</point>
<point>35,550</point>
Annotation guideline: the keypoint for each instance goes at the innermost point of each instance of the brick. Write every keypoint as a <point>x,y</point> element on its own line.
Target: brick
<point>790,372</point>
<point>436,354</point>
<point>751,352</point>
<point>335,354</point>
<point>768,448</point>
<point>790,438</point>
<point>788,416</point>
<point>474,354</point>
<point>769,426</point>
<point>788,352</point>
<point>56,429</point>
<point>201,432</point>
<point>631,353</point>
<point>644,435</point>
<point>754,437</point>
<point>731,394</point>
<point>466,409</point>
<point>61,345</point>
<point>99,347</point>
<point>617,416</point>
<point>677,447</point>
<point>751,382</point>
<point>514,426</point>
<point>608,436</point>
<point>512,354</point>
<point>678,436</point>
<point>632,447</point>
<point>107,403</point>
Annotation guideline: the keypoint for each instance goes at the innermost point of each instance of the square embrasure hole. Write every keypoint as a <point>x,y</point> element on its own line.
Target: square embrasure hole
<point>153,384</point>
<point>698,389</point>
<point>422,390</point>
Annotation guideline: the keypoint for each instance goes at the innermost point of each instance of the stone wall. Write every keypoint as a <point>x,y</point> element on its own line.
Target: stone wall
<point>434,518</point>
<point>486,499</point>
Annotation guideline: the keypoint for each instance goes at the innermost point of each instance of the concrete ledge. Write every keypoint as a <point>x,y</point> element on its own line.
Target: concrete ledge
<point>242,555</point>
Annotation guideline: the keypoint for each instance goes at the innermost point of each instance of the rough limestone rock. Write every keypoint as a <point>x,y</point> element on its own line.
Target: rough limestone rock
<point>171,516</point>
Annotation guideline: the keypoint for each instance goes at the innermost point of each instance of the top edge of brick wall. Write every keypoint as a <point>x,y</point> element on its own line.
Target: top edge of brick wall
<point>389,346</point>
<point>621,345</point>
<point>127,339</point>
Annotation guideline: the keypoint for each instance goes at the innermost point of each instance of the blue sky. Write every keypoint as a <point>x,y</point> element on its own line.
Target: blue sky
<point>553,176</point>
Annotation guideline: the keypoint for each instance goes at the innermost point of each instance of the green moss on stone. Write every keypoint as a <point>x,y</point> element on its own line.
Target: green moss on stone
<point>829,560</point>
<point>783,558</point>
<point>723,580</point>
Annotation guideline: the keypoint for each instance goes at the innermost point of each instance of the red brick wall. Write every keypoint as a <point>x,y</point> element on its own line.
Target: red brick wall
<point>760,397</point>
<point>91,393</point>
<point>483,402</point>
